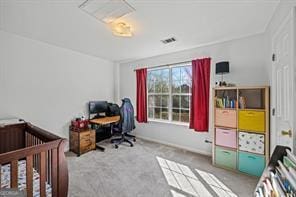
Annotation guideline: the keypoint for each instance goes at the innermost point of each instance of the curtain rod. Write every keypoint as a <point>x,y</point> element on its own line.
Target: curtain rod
<point>158,66</point>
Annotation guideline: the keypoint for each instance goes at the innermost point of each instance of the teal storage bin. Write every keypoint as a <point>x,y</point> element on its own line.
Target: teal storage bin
<point>225,157</point>
<point>251,163</point>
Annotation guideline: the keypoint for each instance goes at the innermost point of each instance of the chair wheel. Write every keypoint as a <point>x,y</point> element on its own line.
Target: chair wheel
<point>132,145</point>
<point>134,140</point>
<point>116,146</point>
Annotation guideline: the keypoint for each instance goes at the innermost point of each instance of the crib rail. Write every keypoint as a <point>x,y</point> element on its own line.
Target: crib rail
<point>41,134</point>
<point>43,152</point>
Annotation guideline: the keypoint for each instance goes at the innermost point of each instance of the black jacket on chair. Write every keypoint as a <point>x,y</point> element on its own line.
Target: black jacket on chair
<point>127,116</point>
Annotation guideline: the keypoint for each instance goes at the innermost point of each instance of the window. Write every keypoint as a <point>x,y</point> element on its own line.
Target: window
<point>169,93</point>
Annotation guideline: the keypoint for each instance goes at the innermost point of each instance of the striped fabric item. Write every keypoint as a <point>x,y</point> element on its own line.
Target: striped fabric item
<point>5,179</point>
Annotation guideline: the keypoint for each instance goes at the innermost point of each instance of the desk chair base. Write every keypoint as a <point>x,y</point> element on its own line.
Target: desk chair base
<point>132,137</point>
<point>120,140</point>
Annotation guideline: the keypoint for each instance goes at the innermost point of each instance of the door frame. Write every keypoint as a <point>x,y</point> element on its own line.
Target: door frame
<point>291,16</point>
<point>294,72</point>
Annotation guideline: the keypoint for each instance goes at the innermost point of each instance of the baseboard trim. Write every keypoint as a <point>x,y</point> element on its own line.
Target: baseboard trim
<point>174,145</point>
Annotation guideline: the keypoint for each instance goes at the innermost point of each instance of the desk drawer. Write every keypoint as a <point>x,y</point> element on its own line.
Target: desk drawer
<point>85,134</point>
<point>226,137</point>
<point>225,157</point>
<point>251,164</point>
<point>84,149</point>
<point>87,145</point>
<point>225,118</point>
<point>251,121</point>
<point>88,139</point>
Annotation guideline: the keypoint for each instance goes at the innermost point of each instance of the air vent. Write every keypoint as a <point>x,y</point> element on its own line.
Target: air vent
<point>106,11</point>
<point>169,40</point>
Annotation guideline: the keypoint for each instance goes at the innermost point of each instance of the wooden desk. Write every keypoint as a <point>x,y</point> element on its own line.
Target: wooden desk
<point>105,121</point>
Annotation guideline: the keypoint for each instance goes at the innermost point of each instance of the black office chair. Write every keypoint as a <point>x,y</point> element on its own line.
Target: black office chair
<point>127,108</point>
<point>124,137</point>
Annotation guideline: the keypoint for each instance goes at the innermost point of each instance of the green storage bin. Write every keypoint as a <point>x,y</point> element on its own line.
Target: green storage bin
<point>225,157</point>
<point>251,163</point>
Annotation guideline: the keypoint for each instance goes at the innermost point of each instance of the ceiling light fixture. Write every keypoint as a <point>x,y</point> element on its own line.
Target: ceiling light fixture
<point>121,29</point>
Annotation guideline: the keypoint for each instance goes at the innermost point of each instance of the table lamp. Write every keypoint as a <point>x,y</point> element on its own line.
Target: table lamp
<point>222,68</point>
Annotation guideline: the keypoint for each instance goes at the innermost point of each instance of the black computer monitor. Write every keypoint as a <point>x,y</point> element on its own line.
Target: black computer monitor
<point>98,107</point>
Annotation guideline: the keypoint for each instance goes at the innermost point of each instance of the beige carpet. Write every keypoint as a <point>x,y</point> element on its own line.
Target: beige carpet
<point>152,170</point>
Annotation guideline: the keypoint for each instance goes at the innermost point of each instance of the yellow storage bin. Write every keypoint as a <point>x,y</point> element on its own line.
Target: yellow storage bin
<point>250,120</point>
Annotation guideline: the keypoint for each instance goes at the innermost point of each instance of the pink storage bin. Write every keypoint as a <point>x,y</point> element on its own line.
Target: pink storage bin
<point>226,137</point>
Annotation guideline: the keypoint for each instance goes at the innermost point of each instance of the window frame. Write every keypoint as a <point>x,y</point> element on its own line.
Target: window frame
<point>170,94</point>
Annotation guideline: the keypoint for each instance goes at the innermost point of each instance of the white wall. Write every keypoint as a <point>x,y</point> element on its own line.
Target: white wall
<point>49,85</point>
<point>247,67</point>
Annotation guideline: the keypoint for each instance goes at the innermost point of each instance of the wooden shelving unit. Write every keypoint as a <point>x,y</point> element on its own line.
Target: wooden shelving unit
<point>241,128</point>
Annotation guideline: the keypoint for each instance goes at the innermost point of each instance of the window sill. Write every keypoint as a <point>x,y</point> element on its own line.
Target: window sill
<point>169,122</point>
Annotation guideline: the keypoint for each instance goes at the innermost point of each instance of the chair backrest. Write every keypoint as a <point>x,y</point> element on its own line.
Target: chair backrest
<point>127,116</point>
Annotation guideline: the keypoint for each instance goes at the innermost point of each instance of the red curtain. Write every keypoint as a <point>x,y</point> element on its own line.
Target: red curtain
<point>199,112</point>
<point>141,95</point>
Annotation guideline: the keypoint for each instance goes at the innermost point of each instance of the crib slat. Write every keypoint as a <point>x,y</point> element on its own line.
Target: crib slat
<point>54,169</point>
<point>29,176</point>
<point>35,156</point>
<point>14,174</point>
<point>30,139</point>
<point>0,175</point>
<point>42,174</point>
<point>49,167</point>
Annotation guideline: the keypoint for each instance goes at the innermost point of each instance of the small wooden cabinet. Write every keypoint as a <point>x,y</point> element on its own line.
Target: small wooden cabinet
<point>82,141</point>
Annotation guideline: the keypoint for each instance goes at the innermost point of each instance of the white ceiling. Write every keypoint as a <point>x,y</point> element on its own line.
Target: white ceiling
<point>192,22</point>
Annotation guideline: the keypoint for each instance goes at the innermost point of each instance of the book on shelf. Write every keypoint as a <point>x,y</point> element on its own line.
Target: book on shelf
<point>219,103</point>
<point>226,102</point>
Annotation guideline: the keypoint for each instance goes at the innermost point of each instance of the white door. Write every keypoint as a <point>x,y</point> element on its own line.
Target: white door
<point>283,93</point>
